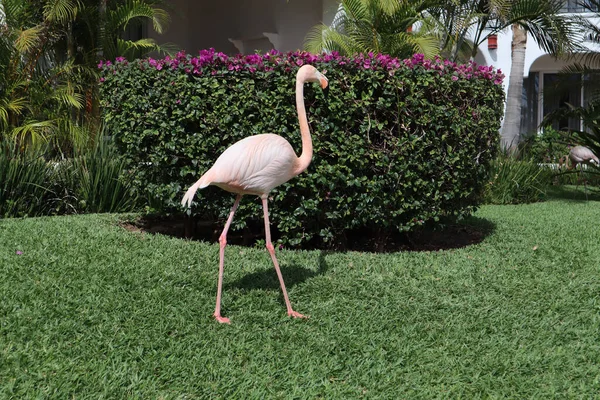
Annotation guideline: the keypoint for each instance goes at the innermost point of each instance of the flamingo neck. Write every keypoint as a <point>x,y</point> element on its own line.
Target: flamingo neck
<point>307,147</point>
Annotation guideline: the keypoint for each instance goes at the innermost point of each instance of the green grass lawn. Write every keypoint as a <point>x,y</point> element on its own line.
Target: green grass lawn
<point>90,310</point>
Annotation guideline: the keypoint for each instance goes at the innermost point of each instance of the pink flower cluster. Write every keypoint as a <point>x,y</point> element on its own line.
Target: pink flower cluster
<point>464,71</point>
<point>213,62</point>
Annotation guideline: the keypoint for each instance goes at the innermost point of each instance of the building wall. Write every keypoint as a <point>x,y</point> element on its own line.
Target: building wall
<point>199,25</point>
<point>537,99</point>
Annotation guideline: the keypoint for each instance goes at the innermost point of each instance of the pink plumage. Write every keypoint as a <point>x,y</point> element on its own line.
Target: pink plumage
<point>255,165</point>
<point>582,155</point>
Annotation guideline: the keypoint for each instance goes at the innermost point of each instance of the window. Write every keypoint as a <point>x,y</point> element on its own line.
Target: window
<point>559,94</point>
<point>529,104</point>
<point>546,92</point>
<point>578,6</point>
<point>136,30</point>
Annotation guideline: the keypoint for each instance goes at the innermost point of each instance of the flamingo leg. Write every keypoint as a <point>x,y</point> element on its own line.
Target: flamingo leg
<point>222,244</point>
<point>271,250</point>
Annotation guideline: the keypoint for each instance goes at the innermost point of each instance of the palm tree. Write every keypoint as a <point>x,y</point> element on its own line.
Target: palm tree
<point>103,23</point>
<point>378,26</point>
<point>554,32</point>
<point>463,25</point>
<point>48,58</point>
<point>459,25</point>
<point>36,86</point>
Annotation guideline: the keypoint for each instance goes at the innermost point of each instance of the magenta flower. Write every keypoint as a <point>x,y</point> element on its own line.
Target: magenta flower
<point>19,252</point>
<point>208,61</point>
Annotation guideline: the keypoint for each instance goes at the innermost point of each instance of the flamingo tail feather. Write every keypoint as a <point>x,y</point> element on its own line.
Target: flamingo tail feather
<point>191,192</point>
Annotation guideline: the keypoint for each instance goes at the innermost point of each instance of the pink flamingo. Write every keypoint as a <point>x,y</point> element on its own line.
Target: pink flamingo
<point>255,165</point>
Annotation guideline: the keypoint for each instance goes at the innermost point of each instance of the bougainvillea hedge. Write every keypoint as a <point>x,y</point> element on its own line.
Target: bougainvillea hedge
<point>397,143</point>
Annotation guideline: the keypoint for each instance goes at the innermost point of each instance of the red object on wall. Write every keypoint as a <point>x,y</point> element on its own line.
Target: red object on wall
<point>492,42</point>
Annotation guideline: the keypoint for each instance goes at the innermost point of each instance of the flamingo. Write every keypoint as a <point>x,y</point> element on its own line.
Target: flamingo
<point>582,155</point>
<point>254,166</point>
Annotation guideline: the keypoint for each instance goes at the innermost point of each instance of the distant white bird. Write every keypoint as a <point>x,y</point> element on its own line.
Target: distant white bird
<point>582,155</point>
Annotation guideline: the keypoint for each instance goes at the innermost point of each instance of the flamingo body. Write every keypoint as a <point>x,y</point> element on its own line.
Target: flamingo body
<point>253,165</point>
<point>582,155</point>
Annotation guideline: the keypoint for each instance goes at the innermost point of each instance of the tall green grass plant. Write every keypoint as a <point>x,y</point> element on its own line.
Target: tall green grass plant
<point>514,181</point>
<point>95,180</point>
<point>23,182</point>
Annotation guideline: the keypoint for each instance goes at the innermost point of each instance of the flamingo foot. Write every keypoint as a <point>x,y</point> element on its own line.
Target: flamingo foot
<point>222,320</point>
<point>295,314</point>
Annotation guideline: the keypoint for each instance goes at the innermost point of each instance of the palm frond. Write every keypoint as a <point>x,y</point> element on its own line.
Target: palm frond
<point>428,45</point>
<point>68,96</point>
<point>34,132</point>
<point>28,39</point>
<point>14,12</point>
<point>588,63</point>
<point>555,32</point>
<point>61,11</point>
<point>355,9</point>
<point>16,105</point>
<point>323,38</point>
<point>390,7</point>
<point>122,16</point>
<point>132,49</point>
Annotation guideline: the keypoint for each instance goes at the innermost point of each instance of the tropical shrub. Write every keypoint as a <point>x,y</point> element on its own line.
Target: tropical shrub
<point>94,180</point>
<point>49,50</point>
<point>396,144</point>
<point>547,147</point>
<point>23,182</point>
<point>379,26</point>
<point>514,181</point>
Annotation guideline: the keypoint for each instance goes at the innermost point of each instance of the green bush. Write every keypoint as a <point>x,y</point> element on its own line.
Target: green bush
<point>547,147</point>
<point>92,181</point>
<point>515,181</point>
<point>23,182</point>
<point>396,144</point>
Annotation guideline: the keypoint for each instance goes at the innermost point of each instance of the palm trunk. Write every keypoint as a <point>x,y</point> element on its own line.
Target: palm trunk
<point>101,29</point>
<point>510,134</point>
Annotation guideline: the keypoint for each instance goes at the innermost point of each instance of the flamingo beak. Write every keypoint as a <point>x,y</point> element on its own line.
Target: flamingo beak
<point>324,82</point>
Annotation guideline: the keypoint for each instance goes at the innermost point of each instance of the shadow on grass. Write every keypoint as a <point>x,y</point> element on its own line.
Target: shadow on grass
<point>471,231</point>
<point>574,193</point>
<point>267,279</point>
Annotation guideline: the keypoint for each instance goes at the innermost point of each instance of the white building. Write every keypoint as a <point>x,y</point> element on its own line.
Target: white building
<point>541,71</point>
<point>243,26</point>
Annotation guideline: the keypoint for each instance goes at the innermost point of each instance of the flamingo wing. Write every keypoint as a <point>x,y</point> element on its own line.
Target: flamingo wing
<point>254,165</point>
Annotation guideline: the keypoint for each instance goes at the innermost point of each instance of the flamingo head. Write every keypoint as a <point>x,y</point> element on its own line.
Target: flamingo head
<point>308,73</point>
